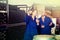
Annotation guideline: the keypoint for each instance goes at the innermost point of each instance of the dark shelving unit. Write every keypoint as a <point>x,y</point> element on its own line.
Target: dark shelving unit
<point>4,18</point>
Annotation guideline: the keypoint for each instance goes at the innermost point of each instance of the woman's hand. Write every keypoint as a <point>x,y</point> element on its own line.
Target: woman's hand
<point>42,26</point>
<point>37,21</point>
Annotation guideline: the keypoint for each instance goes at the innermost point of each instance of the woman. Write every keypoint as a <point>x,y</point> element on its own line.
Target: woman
<point>45,24</point>
<point>31,25</point>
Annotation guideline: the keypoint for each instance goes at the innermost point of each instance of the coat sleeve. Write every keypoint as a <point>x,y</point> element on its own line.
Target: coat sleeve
<point>52,23</point>
<point>27,18</point>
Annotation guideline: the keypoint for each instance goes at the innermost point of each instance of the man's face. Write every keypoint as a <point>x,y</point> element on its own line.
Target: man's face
<point>30,12</point>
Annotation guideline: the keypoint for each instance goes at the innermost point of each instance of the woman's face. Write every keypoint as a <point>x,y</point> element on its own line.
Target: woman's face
<point>34,13</point>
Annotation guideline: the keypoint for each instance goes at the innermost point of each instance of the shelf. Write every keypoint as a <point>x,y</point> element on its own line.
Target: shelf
<point>3,11</point>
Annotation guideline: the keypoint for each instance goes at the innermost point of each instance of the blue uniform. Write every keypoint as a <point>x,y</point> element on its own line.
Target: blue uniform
<point>47,28</point>
<point>31,29</point>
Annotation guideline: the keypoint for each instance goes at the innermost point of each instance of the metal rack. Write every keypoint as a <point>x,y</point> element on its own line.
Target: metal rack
<point>4,11</point>
<point>4,18</point>
<point>22,7</point>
